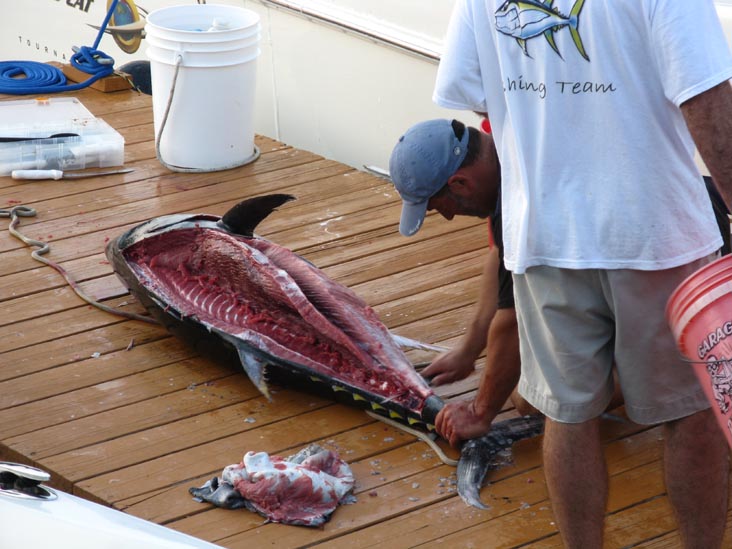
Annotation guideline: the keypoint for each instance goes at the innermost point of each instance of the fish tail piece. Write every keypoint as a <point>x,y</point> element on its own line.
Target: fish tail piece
<point>477,455</point>
<point>574,27</point>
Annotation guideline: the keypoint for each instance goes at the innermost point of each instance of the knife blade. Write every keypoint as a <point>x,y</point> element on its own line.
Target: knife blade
<point>58,174</point>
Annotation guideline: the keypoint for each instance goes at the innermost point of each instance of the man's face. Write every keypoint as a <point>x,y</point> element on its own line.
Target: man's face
<point>472,191</point>
<point>449,203</point>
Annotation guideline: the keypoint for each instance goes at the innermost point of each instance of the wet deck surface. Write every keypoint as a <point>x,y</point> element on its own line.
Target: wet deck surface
<point>121,413</point>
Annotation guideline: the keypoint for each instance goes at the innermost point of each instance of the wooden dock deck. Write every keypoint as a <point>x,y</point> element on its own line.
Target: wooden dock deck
<point>120,412</point>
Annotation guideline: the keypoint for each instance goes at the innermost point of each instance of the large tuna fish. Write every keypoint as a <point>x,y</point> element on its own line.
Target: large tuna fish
<point>245,299</point>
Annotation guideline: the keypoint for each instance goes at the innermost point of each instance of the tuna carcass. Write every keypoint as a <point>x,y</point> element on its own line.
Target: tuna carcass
<point>242,298</point>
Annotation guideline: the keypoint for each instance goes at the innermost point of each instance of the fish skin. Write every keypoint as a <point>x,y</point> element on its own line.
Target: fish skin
<point>302,490</point>
<point>527,19</point>
<point>220,494</point>
<point>478,455</point>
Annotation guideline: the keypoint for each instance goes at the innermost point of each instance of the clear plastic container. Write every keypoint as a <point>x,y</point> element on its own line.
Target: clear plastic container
<point>36,121</point>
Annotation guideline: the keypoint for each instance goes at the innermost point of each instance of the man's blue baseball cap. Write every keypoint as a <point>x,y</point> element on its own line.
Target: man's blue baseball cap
<point>422,161</point>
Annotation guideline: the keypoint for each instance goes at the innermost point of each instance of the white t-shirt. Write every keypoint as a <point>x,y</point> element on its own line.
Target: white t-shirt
<point>598,165</point>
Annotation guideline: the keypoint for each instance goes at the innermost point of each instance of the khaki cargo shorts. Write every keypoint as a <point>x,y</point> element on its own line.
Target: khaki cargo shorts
<point>575,324</point>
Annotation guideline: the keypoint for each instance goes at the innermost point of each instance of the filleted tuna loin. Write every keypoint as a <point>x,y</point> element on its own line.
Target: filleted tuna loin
<point>274,311</point>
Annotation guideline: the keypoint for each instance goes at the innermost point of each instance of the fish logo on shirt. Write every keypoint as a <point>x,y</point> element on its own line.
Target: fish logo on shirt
<point>527,19</point>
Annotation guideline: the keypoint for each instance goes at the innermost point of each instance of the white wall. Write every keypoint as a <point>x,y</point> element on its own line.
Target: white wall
<point>340,95</point>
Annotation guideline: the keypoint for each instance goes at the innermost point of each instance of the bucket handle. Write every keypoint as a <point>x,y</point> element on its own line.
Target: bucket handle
<point>255,154</point>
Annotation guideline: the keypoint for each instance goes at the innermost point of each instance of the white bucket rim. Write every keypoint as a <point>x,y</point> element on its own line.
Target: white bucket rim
<point>252,18</point>
<point>678,325</point>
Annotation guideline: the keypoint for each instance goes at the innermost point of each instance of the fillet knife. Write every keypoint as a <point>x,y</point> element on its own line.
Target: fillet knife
<point>58,174</point>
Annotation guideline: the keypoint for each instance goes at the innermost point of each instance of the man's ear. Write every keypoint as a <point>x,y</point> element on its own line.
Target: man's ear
<point>459,184</point>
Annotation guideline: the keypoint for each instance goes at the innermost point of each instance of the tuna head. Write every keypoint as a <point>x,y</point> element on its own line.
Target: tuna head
<point>233,294</point>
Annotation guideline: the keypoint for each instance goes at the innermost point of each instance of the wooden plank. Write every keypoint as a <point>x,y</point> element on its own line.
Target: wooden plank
<point>138,419</point>
<point>110,395</point>
<point>648,525</point>
<point>398,280</point>
<point>92,370</point>
<point>53,326</point>
<point>57,300</point>
<point>93,239</point>
<point>350,273</point>
<point>26,283</point>
<point>672,540</point>
<point>105,339</point>
<point>376,255</point>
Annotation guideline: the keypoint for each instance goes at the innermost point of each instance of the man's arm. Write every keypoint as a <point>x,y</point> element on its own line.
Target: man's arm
<point>502,365</point>
<point>466,419</point>
<point>459,362</point>
<point>709,119</point>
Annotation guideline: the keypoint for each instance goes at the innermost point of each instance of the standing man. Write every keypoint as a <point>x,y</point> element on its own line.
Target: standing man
<point>596,106</point>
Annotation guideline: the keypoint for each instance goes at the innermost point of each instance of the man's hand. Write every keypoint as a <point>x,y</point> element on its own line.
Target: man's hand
<point>451,366</point>
<point>459,421</point>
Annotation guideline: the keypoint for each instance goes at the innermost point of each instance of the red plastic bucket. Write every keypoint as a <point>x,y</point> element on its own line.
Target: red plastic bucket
<point>700,315</point>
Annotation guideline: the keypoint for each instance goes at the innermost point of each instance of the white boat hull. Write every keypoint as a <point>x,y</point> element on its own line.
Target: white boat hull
<point>69,522</point>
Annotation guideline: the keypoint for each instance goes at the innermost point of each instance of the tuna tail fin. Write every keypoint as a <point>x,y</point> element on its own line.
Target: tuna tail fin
<point>243,218</point>
<point>477,456</point>
<point>573,27</point>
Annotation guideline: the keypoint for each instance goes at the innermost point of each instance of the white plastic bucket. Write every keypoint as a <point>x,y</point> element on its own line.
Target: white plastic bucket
<point>204,116</point>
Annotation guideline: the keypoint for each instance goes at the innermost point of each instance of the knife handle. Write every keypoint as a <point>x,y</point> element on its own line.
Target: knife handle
<point>37,174</point>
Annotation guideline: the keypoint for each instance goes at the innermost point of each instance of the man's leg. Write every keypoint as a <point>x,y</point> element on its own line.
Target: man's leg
<point>697,469</point>
<point>521,405</point>
<point>576,475</point>
<point>526,409</point>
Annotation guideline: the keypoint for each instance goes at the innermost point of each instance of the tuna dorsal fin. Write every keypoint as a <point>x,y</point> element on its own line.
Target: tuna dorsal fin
<point>246,215</point>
